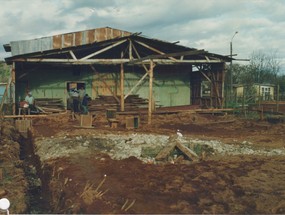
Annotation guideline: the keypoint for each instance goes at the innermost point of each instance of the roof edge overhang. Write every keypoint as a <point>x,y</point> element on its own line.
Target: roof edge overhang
<point>7,47</point>
<point>42,56</point>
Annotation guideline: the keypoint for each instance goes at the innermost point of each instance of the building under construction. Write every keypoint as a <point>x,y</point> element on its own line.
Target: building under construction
<point>118,69</point>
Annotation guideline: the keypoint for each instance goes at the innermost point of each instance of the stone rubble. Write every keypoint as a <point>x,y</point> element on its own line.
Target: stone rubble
<point>124,146</point>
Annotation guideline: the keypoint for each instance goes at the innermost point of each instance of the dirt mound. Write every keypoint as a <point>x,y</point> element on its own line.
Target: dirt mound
<point>106,170</point>
<point>13,183</point>
<point>98,184</point>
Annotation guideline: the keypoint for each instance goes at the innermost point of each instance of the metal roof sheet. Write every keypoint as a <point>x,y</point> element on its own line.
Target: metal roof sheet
<point>65,40</point>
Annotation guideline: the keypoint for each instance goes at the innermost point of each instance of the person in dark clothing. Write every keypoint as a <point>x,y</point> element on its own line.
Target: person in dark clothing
<point>84,104</point>
<point>75,98</point>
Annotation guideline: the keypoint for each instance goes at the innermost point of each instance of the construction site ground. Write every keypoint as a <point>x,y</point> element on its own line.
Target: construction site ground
<point>61,167</point>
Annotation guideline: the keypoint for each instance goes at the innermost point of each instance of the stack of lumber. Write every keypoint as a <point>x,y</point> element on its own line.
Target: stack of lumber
<point>47,105</point>
<point>132,103</point>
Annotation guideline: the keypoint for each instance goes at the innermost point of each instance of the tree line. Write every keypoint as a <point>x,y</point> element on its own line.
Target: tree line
<point>262,68</point>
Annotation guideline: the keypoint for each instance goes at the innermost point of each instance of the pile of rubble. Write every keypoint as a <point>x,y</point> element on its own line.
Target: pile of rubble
<point>145,147</point>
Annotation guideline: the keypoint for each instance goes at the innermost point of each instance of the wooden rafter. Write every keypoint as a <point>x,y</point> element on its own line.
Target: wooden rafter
<point>138,55</point>
<point>111,61</point>
<point>131,50</point>
<point>72,55</point>
<point>102,50</point>
<point>216,89</point>
<point>153,49</point>
<point>176,54</point>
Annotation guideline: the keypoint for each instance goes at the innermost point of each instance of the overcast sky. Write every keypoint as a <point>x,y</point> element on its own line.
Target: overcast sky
<point>204,24</point>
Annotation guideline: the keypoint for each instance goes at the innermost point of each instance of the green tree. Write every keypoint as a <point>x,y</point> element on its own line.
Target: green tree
<point>4,72</point>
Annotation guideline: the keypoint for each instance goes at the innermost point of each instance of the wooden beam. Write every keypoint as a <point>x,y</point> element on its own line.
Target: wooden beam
<point>165,152</point>
<point>102,50</point>
<point>188,152</point>
<point>122,85</point>
<point>176,54</point>
<point>216,88</point>
<point>138,55</point>
<point>205,76</point>
<point>166,61</point>
<point>72,61</point>
<point>111,61</point>
<point>130,50</point>
<point>153,49</point>
<point>25,116</point>
<point>72,55</point>
<point>134,87</point>
<point>150,92</point>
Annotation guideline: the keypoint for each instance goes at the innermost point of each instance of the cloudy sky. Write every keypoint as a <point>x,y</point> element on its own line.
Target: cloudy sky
<point>204,24</point>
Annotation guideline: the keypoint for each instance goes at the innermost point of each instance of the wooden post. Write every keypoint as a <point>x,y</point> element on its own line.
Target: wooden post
<point>13,81</point>
<point>1,174</point>
<point>150,92</point>
<point>122,85</point>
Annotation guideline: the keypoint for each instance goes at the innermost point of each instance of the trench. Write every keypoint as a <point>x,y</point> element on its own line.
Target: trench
<point>37,198</point>
<point>119,147</point>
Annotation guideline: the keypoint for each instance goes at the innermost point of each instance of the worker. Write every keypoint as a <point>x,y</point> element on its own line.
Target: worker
<point>84,104</point>
<point>75,99</point>
<point>30,100</point>
<point>81,93</point>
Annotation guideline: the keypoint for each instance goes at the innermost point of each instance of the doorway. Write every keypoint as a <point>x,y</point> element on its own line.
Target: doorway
<point>73,85</point>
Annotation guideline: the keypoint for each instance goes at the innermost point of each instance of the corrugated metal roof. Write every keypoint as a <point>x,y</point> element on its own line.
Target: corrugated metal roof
<point>66,40</point>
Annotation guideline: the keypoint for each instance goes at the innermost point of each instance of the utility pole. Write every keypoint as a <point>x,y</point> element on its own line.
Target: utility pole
<point>231,67</point>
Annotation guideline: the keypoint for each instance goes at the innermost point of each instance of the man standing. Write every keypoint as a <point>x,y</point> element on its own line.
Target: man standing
<point>84,104</point>
<point>81,92</point>
<point>75,99</point>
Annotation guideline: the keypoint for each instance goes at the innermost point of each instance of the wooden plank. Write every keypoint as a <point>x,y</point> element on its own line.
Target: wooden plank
<point>113,123</point>
<point>25,116</point>
<point>86,120</point>
<point>188,152</point>
<point>150,97</point>
<point>162,155</point>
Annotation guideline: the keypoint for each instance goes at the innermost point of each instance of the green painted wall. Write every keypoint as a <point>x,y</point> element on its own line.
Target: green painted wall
<point>170,88</point>
<point>51,83</point>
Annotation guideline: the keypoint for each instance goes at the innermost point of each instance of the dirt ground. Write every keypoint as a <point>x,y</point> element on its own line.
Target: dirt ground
<point>90,180</point>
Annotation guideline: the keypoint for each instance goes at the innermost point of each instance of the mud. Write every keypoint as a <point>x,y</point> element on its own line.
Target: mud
<point>102,170</point>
